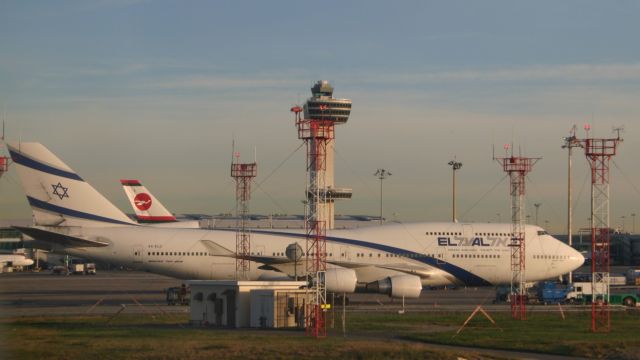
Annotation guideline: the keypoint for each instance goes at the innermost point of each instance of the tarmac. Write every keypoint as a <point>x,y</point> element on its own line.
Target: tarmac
<point>42,293</point>
<point>31,294</point>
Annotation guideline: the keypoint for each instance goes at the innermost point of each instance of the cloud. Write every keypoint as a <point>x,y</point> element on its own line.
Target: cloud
<point>214,82</point>
<point>568,72</point>
<point>198,79</point>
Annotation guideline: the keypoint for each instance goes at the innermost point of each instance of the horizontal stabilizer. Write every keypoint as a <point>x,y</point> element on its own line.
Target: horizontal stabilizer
<point>59,239</point>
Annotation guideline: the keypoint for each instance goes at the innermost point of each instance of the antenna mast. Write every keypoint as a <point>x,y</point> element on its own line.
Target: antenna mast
<point>243,174</point>
<point>599,153</point>
<point>517,167</point>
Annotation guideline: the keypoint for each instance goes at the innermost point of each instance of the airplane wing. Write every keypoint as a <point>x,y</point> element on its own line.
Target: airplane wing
<point>409,269</point>
<point>59,239</point>
<point>289,267</point>
<point>219,250</point>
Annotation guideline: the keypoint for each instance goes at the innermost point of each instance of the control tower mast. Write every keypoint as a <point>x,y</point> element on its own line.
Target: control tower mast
<point>323,107</point>
<point>316,127</point>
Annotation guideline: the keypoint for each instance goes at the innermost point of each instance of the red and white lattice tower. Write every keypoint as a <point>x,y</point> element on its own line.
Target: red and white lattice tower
<point>316,127</point>
<point>4,160</point>
<point>243,174</point>
<point>599,153</point>
<point>517,167</point>
<point>4,165</point>
<point>316,134</point>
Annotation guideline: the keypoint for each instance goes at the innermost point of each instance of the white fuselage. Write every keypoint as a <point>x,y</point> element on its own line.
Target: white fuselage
<point>439,253</point>
<point>15,260</point>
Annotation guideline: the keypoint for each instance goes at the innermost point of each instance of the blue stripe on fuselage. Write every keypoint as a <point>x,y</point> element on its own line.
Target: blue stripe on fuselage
<point>69,212</point>
<point>461,274</point>
<point>18,158</point>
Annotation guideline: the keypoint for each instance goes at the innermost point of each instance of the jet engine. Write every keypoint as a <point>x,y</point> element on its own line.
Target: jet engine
<point>397,286</point>
<point>340,280</point>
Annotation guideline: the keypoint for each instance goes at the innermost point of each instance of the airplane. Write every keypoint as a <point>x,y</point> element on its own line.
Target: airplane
<point>149,210</point>
<point>398,259</point>
<point>15,260</point>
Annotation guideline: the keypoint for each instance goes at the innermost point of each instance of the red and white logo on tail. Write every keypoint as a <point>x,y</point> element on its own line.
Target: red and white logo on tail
<point>147,208</point>
<point>142,201</point>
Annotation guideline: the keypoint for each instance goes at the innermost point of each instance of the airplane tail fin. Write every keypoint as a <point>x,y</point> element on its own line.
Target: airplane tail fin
<point>57,195</point>
<point>148,209</point>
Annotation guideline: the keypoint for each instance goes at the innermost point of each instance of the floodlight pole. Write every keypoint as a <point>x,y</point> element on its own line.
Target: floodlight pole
<point>381,174</point>
<point>569,143</point>
<point>454,166</point>
<point>537,205</point>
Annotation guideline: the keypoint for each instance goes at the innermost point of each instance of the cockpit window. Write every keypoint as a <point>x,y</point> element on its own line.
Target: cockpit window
<point>542,232</point>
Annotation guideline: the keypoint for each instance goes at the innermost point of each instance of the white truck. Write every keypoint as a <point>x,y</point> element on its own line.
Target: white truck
<point>90,268</point>
<point>580,289</point>
<point>77,269</point>
<point>622,295</point>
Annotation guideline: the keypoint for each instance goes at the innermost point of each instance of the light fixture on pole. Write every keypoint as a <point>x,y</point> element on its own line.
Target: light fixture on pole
<point>537,205</point>
<point>455,165</point>
<point>570,142</point>
<point>381,174</point>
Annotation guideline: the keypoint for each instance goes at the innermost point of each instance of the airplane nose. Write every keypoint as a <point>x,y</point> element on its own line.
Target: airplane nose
<point>576,259</point>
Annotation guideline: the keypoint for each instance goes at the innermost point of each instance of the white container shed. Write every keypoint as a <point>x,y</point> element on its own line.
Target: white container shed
<point>227,303</point>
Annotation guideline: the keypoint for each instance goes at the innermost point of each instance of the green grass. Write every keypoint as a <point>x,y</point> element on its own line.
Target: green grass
<point>369,336</point>
<point>167,337</point>
<point>541,332</point>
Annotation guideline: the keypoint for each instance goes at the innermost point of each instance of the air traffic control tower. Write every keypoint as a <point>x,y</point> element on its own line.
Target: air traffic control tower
<point>322,106</point>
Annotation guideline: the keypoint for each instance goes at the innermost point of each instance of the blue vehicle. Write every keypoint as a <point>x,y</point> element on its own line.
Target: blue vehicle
<point>551,292</point>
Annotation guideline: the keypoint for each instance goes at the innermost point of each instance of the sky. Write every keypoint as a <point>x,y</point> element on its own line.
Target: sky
<point>158,90</point>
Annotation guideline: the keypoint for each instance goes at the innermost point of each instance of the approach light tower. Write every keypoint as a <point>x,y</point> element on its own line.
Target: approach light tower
<point>243,174</point>
<point>517,167</point>
<point>316,127</point>
<point>599,153</point>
